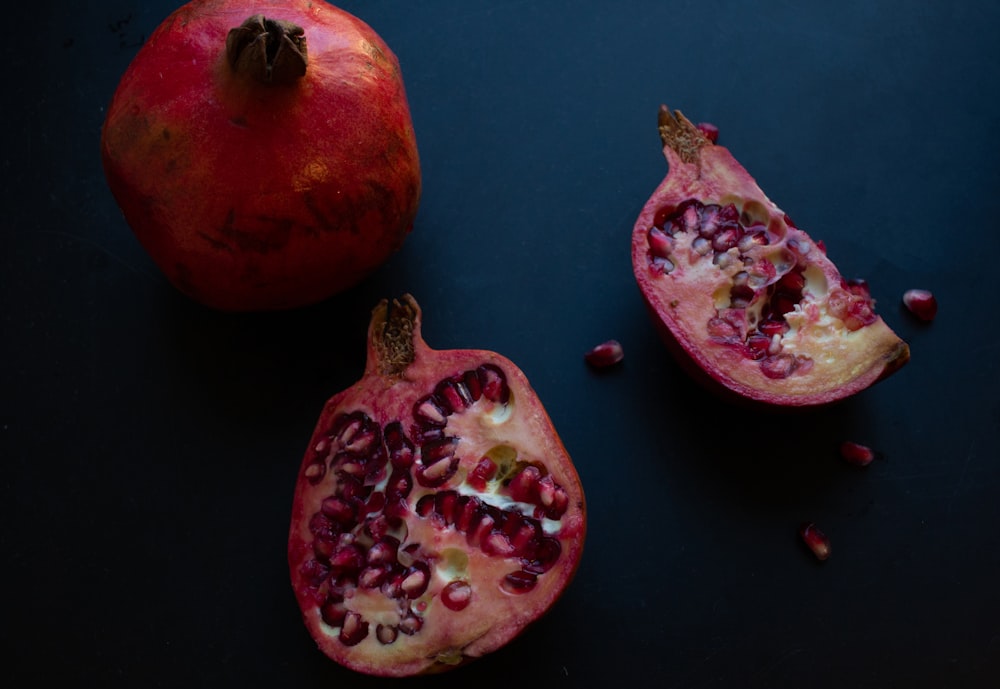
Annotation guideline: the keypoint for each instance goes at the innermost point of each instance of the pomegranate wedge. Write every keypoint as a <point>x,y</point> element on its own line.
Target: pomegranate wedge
<point>749,303</point>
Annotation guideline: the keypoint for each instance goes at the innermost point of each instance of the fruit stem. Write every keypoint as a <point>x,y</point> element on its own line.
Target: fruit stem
<point>269,50</point>
<point>677,132</point>
<point>391,334</point>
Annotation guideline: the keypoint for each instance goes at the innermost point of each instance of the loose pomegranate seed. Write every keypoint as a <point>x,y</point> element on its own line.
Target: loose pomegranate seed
<point>921,304</point>
<point>856,453</point>
<point>817,541</point>
<point>605,354</point>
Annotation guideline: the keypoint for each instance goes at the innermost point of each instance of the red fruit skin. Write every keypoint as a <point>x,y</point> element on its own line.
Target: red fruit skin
<point>257,196</point>
<point>491,619</point>
<point>699,169</point>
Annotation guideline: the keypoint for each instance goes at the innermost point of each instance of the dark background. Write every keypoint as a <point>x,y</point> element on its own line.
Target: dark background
<point>150,446</point>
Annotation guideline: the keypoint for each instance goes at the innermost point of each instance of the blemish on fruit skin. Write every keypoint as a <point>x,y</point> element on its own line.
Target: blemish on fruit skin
<point>674,303</point>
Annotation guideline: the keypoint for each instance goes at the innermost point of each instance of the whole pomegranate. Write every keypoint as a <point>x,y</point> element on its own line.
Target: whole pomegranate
<point>436,512</point>
<point>747,301</point>
<point>263,153</point>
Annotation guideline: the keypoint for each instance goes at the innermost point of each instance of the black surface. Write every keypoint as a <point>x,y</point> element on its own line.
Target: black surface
<point>150,446</point>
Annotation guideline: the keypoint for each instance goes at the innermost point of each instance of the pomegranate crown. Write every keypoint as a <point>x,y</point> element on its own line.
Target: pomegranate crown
<point>269,50</point>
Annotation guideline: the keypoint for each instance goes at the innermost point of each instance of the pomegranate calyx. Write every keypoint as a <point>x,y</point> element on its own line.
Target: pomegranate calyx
<point>269,50</point>
<point>393,327</point>
<point>677,132</point>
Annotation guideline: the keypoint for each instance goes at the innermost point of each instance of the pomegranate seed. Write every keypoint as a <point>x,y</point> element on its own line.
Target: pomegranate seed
<point>709,131</point>
<point>333,612</point>
<point>722,329</point>
<point>386,634</point>
<point>410,625</point>
<point>493,383</point>
<point>315,472</point>
<point>817,541</point>
<point>921,304</point>
<point>859,286</point>
<point>605,354</point>
<point>519,582</point>
<point>415,580</point>
<point>483,472</point>
<point>355,629</point>
<point>456,595</point>
<point>771,327</point>
<point>757,346</point>
<point>338,510</point>
<point>524,486</point>
<point>779,366</point>
<point>467,510</point>
<point>856,453</point>
<point>661,245</point>
<point>792,282</point>
<point>547,552</point>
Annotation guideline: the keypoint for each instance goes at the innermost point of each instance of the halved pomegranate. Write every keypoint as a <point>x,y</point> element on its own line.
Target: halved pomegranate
<point>747,301</point>
<point>436,513</point>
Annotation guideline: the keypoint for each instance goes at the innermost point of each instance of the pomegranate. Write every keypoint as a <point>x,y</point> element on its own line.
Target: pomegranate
<point>747,301</point>
<point>263,153</point>
<point>436,512</point>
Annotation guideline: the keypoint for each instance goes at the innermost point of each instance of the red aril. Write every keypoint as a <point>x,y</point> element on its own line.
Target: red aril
<point>709,131</point>
<point>815,540</point>
<point>921,303</point>
<point>856,453</point>
<point>749,303</point>
<point>436,513</point>
<point>263,153</point>
<point>606,354</point>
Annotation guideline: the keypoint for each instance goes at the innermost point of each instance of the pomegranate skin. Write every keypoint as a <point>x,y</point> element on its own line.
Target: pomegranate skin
<point>748,303</point>
<point>368,511</point>
<point>252,195</point>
